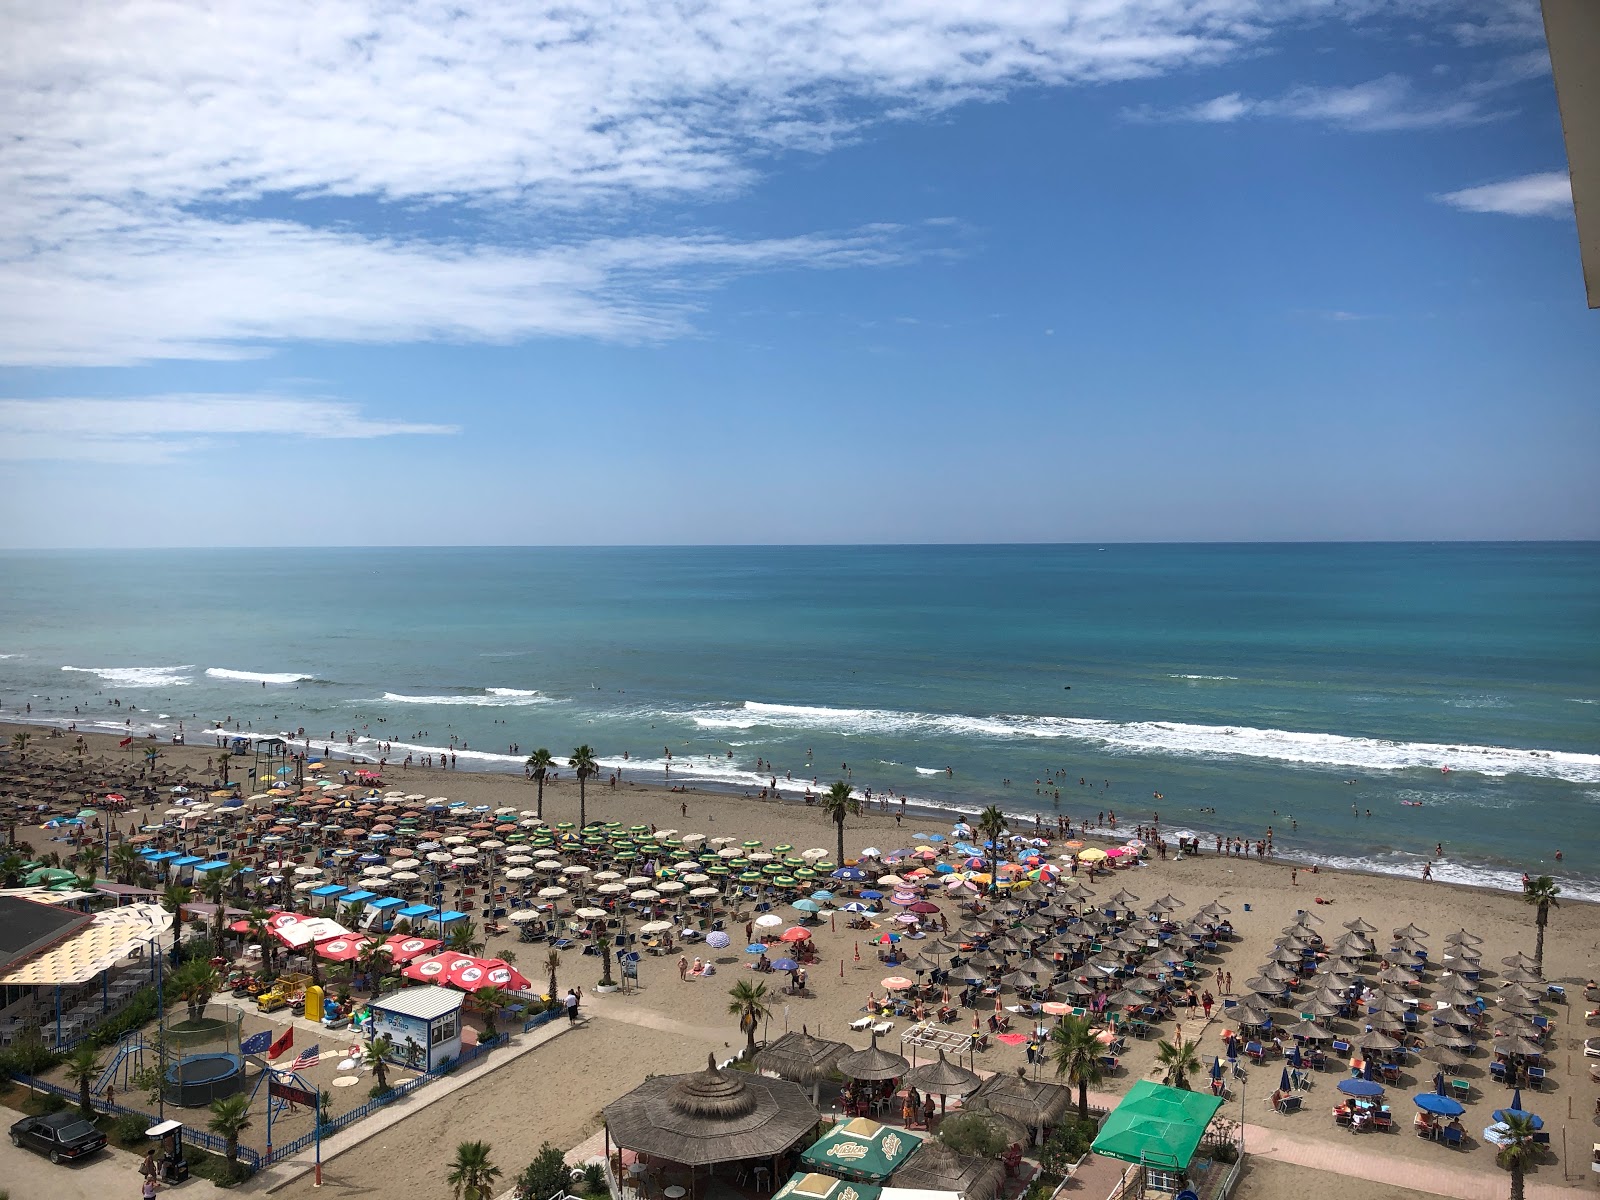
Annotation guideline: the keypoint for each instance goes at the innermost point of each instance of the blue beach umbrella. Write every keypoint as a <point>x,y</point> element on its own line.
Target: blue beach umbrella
<point>854,874</point>
<point>1233,1049</point>
<point>1216,1067</point>
<point>1442,1106</point>
<point>822,895</point>
<point>1360,1087</point>
<point>785,964</point>
<point>919,837</point>
<point>755,948</point>
<point>1504,1114</point>
<point>869,894</point>
<point>943,868</point>
<point>1438,1083</point>
<point>936,837</point>
<point>809,906</point>
<point>1294,1058</point>
<point>1283,1080</point>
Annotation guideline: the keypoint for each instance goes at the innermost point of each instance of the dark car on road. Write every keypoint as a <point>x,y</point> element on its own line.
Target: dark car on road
<point>64,1136</point>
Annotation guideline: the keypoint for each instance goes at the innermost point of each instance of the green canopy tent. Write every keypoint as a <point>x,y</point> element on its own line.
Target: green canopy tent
<point>861,1150</point>
<point>809,1185</point>
<point>1157,1126</point>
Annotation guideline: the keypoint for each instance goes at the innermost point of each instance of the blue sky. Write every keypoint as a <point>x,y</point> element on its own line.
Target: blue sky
<point>819,272</point>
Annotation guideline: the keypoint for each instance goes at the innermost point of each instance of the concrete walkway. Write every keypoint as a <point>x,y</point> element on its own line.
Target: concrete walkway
<point>281,1174</point>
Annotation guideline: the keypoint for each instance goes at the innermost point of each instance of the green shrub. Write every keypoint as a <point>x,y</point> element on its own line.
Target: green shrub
<point>545,1176</point>
<point>127,1130</point>
<point>1224,1154</point>
<point>1070,1142</point>
<point>52,1102</point>
<point>970,1133</point>
<point>594,1180</point>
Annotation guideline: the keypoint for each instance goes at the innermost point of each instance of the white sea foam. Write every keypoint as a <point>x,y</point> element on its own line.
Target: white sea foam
<point>486,698</point>
<point>11,656</point>
<point>139,676</point>
<point>1161,737</point>
<point>1215,678</point>
<point>257,676</point>
<point>930,770</point>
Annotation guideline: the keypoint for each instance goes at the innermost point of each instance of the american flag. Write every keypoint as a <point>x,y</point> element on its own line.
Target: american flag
<point>307,1058</point>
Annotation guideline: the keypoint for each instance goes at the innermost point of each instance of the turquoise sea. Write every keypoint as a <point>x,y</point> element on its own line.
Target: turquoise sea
<point>1452,690</point>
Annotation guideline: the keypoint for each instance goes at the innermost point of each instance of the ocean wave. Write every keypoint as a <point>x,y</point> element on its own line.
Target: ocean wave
<point>1445,870</point>
<point>257,676</point>
<point>13,656</point>
<point>1171,738</point>
<point>139,676</point>
<point>483,698</point>
<point>1214,678</point>
<point>929,770</point>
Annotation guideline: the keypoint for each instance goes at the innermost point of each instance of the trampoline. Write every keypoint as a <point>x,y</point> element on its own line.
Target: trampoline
<point>198,1079</point>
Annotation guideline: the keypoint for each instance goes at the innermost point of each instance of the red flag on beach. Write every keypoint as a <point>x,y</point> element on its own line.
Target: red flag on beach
<point>127,741</point>
<point>285,1040</point>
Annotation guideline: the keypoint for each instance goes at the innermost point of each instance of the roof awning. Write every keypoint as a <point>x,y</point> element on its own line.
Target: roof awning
<point>188,860</point>
<point>386,902</point>
<point>160,855</point>
<point>416,910</point>
<point>1157,1126</point>
<point>352,897</point>
<point>97,946</point>
<point>1572,30</point>
<point>215,864</point>
<point>329,889</point>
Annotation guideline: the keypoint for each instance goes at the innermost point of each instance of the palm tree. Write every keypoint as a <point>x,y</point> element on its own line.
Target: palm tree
<point>83,1068</point>
<point>1076,1054</point>
<point>197,981</point>
<point>992,825</point>
<point>1518,1148</point>
<point>840,802</point>
<point>472,1175</point>
<point>229,1118</point>
<point>173,900</point>
<point>125,862</point>
<point>85,862</point>
<point>749,1004</point>
<point>215,889</point>
<point>223,760</point>
<point>372,1058</point>
<point>539,764</point>
<point>371,961</point>
<point>490,1001</point>
<point>582,762</point>
<point>552,963</point>
<point>11,872</point>
<point>261,933</point>
<point>1180,1060</point>
<point>464,938</point>
<point>19,743</point>
<point>1541,892</point>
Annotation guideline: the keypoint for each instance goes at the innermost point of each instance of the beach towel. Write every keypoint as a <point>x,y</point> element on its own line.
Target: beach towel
<point>1012,1039</point>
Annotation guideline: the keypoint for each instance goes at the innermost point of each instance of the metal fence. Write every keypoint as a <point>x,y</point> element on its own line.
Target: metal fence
<point>198,1137</point>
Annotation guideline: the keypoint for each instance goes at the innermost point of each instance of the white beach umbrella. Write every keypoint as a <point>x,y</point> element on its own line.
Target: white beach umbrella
<point>308,870</point>
<point>306,885</point>
<point>662,835</point>
<point>696,878</point>
<point>377,869</point>
<point>693,839</point>
<point>701,893</point>
<point>518,860</point>
<point>575,869</point>
<point>760,856</point>
<point>606,876</point>
<point>491,844</point>
<point>645,894</point>
<point>655,927</point>
<point>546,852</point>
<point>519,873</point>
<point>547,864</point>
<point>814,854</point>
<point>730,852</point>
<point>439,856</point>
<point>637,880</point>
<point>404,877</point>
<point>671,885</point>
<point>612,889</point>
<point>455,840</point>
<point>589,914</point>
<point>552,893</point>
<point>768,920</point>
<point>523,915</point>
<point>500,812</point>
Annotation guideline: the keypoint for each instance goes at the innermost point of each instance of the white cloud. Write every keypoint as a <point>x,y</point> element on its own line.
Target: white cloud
<point>1548,194</point>
<point>162,428</point>
<point>1377,105</point>
<point>191,180</point>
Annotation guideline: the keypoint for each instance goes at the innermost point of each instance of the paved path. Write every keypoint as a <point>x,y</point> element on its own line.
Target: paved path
<point>109,1175</point>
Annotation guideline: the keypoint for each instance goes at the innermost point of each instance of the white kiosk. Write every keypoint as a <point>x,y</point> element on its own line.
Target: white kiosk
<point>423,1025</point>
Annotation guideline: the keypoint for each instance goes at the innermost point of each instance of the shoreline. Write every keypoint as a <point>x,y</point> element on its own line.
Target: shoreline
<point>878,820</point>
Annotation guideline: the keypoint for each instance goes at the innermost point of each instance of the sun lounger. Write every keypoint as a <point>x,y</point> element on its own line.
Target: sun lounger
<point>861,1024</point>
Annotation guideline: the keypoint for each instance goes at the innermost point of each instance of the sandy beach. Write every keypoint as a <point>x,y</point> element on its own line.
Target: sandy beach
<point>667,1025</point>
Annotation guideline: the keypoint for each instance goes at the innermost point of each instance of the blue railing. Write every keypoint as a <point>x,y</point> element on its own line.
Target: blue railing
<point>541,1018</point>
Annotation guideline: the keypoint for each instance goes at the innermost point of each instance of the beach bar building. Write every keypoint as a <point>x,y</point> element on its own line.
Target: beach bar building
<point>423,1025</point>
<point>682,1128</point>
<point>1159,1128</point>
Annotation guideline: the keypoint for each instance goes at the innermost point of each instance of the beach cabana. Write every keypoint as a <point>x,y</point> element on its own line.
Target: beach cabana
<point>803,1059</point>
<point>1156,1126</point>
<point>872,1064</point>
<point>937,1168</point>
<point>861,1149</point>
<point>943,1078</point>
<point>1031,1103</point>
<point>709,1117</point>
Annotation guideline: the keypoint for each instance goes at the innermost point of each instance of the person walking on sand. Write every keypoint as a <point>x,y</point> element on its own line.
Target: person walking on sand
<point>683,967</point>
<point>572,1006</point>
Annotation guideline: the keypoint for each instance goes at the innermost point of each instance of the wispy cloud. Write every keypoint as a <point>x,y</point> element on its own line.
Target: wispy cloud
<point>1378,105</point>
<point>155,429</point>
<point>1547,194</point>
<point>170,173</point>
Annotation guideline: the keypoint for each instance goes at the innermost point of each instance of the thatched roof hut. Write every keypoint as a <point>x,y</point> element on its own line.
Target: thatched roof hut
<point>1030,1102</point>
<point>938,1168</point>
<point>872,1064</point>
<point>943,1078</point>
<point>711,1116</point>
<point>801,1058</point>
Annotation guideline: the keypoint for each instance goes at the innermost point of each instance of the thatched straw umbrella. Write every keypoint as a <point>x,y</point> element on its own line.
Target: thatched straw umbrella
<point>938,1168</point>
<point>801,1058</point>
<point>943,1078</point>
<point>872,1064</point>
<point>1030,1102</point>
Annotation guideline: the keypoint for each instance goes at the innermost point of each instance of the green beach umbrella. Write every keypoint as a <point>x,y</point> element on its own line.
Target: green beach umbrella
<point>753,844</point>
<point>782,849</point>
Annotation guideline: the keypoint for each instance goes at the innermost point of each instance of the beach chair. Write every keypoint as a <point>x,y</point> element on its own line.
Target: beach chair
<point>1111,1063</point>
<point>1342,1049</point>
<point>1289,1104</point>
<point>1451,1136</point>
<point>1541,1137</point>
<point>1536,1077</point>
<point>1460,1089</point>
<point>1255,1052</point>
<point>1497,1072</point>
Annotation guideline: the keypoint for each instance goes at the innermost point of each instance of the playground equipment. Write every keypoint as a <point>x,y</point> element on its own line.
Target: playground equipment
<point>201,1060</point>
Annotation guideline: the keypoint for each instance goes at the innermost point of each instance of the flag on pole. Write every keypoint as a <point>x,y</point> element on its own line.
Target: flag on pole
<point>127,741</point>
<point>285,1040</point>
<point>308,1058</point>
<point>256,1043</point>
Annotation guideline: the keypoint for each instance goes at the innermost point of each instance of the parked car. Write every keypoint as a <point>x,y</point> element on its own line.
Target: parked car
<point>64,1136</point>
